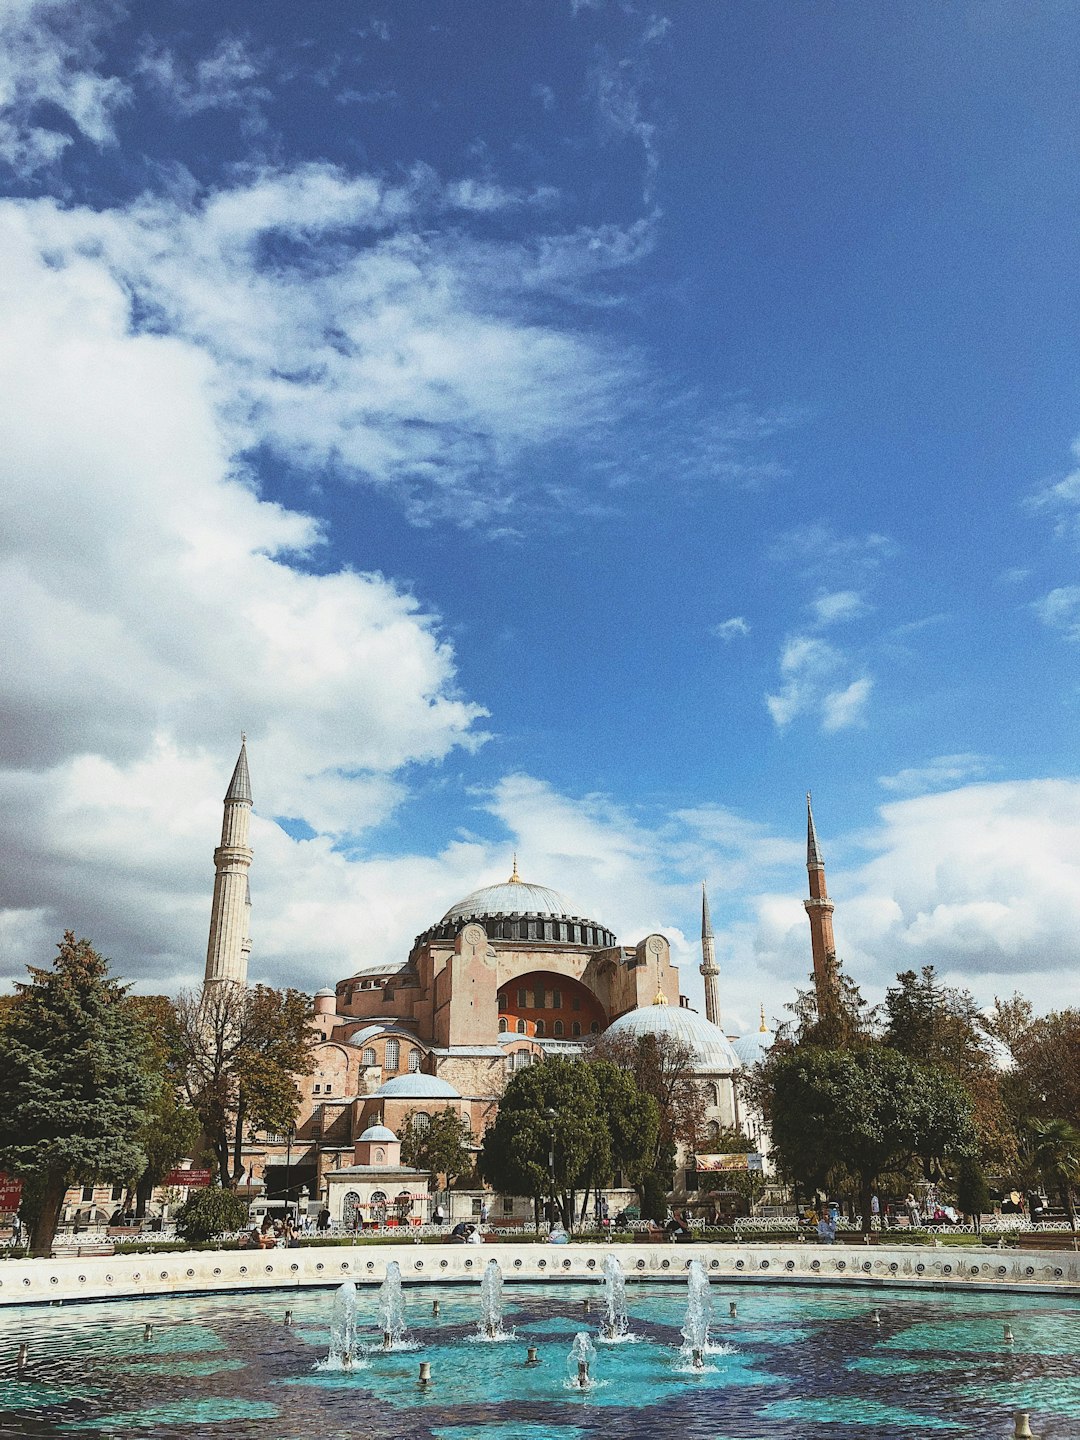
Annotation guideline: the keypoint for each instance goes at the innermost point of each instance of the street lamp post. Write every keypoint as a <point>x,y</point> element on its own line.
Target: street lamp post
<point>288,1163</point>
<point>550,1116</point>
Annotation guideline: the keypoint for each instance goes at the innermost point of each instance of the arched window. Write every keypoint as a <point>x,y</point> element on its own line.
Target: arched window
<point>369,1056</point>
<point>521,1027</point>
<point>557,1028</point>
<point>414,1060</point>
<point>378,1205</point>
<point>349,1207</point>
<point>380,1156</point>
<point>503,1026</point>
<point>556,999</point>
<point>419,1122</point>
<point>594,1028</point>
<point>391,1053</point>
<point>715,1095</point>
<point>541,1029</point>
<point>403,1204</point>
<point>575,1028</point>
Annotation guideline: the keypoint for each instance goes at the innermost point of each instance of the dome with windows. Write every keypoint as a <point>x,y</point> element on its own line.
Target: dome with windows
<point>518,910</point>
<point>708,1045</point>
<point>418,1087</point>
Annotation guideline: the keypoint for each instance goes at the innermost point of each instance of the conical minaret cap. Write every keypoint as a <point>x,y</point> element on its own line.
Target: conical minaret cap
<point>814,860</point>
<point>240,785</point>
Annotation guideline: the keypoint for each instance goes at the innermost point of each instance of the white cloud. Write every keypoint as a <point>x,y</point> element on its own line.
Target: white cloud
<point>731,629</point>
<point>833,608</point>
<point>818,549</point>
<point>48,56</point>
<point>809,668</point>
<point>936,774</point>
<point>225,79</point>
<point>1060,610</point>
<point>841,709</point>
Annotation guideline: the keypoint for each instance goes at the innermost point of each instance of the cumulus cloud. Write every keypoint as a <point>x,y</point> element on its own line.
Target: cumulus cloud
<point>809,669</point>
<point>1060,610</point>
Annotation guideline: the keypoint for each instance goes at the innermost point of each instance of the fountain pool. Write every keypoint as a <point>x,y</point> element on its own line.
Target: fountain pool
<point>793,1364</point>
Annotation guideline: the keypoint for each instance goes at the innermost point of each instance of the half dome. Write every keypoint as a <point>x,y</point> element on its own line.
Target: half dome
<point>707,1043</point>
<point>418,1087</point>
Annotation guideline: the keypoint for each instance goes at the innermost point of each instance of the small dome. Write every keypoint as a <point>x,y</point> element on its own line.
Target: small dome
<point>328,991</point>
<point>753,1047</point>
<point>418,1087</point>
<point>1001,1057</point>
<point>378,1132</point>
<point>707,1042</point>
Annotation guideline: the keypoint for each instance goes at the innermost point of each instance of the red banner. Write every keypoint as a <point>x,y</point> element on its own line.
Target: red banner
<point>191,1178</point>
<point>10,1192</point>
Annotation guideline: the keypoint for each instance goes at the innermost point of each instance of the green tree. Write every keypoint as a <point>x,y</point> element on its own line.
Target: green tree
<point>241,1050</point>
<point>663,1067</point>
<point>526,1153</point>
<point>209,1213</point>
<point>170,1131</point>
<point>846,1022</point>
<point>442,1146</point>
<point>867,1111</point>
<point>972,1191</point>
<point>74,1081</point>
<point>1055,1154</point>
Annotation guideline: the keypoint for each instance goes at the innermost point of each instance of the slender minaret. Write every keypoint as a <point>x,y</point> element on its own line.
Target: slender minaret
<point>230,918</point>
<point>709,968</point>
<point>820,910</point>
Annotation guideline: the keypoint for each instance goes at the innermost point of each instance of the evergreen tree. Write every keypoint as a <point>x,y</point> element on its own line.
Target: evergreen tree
<point>74,1081</point>
<point>972,1191</point>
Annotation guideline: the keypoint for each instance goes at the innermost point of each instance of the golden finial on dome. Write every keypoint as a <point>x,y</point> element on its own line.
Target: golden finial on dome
<point>515,878</point>
<point>660,998</point>
<point>763,1028</point>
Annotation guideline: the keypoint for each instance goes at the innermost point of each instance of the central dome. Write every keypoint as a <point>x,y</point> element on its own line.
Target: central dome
<point>512,897</point>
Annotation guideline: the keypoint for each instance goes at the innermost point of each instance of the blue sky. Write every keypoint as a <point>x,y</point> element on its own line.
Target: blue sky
<point>573,427</point>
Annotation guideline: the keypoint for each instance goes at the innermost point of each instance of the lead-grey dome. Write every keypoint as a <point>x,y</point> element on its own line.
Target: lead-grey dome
<point>512,897</point>
<point>707,1043</point>
<point>418,1087</point>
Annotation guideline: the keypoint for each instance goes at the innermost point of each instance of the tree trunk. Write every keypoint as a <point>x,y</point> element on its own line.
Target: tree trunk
<point>143,1190</point>
<point>238,1151</point>
<point>52,1202</point>
<point>866,1195</point>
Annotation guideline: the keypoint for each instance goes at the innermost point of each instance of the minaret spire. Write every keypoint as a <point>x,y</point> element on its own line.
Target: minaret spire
<point>820,908</point>
<point>230,916</point>
<point>709,969</point>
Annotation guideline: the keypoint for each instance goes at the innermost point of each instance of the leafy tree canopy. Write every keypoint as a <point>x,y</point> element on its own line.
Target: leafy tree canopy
<point>869,1111</point>
<point>209,1213</point>
<point>241,1050</point>
<point>518,1146</point>
<point>442,1147</point>
<point>75,1080</point>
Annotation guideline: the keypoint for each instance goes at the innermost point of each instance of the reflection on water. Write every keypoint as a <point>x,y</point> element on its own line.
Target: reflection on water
<point>794,1363</point>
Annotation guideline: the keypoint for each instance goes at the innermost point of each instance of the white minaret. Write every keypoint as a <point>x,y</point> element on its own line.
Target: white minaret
<point>709,968</point>
<point>230,918</point>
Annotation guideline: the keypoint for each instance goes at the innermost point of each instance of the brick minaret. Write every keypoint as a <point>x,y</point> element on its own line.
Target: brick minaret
<point>230,916</point>
<point>820,910</point>
<point>709,968</point>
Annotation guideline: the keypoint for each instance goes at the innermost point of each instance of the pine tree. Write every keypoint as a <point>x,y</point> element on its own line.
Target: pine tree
<point>74,1084</point>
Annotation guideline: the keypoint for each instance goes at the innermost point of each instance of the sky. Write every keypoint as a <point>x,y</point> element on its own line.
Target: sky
<point>576,429</point>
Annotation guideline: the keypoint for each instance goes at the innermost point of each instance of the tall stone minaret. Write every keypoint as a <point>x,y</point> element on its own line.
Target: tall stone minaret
<point>820,908</point>
<point>230,917</point>
<point>709,968</point>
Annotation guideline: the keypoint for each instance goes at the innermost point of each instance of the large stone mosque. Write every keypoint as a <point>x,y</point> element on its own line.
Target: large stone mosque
<point>511,974</point>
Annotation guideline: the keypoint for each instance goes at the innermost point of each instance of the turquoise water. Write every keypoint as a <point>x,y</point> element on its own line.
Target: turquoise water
<point>793,1364</point>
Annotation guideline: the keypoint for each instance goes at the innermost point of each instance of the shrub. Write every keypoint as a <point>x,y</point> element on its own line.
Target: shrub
<point>210,1212</point>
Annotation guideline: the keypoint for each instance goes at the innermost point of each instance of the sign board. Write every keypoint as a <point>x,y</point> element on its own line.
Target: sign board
<point>190,1178</point>
<point>727,1162</point>
<point>10,1193</point>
